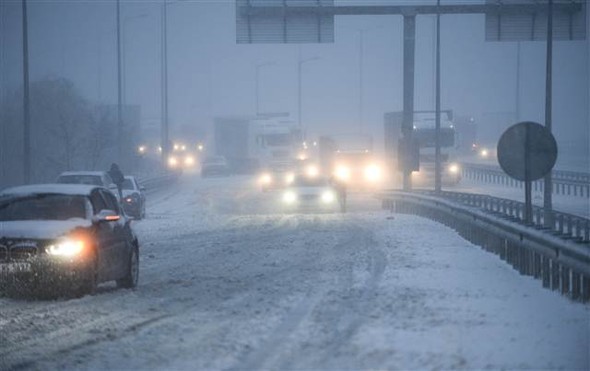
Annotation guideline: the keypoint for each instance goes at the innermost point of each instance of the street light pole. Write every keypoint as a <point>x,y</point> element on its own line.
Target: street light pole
<point>437,166</point>
<point>164,82</point>
<point>361,82</point>
<point>548,181</point>
<point>26,106</point>
<point>119,88</point>
<point>299,70</point>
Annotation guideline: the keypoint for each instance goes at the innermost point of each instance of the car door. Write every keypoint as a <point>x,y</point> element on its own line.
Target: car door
<point>140,193</point>
<point>105,239</point>
<point>121,247</point>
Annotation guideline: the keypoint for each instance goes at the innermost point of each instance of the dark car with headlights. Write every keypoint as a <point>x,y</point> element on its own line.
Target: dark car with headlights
<point>133,198</point>
<point>57,237</point>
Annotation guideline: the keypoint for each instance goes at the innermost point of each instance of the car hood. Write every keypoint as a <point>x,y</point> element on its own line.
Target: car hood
<point>41,229</point>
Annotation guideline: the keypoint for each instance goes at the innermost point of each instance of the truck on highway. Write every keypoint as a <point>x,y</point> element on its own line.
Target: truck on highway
<point>424,133</point>
<point>252,143</point>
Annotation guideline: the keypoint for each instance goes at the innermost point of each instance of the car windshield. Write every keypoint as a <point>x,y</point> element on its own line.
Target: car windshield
<point>42,207</point>
<point>80,179</point>
<point>128,184</point>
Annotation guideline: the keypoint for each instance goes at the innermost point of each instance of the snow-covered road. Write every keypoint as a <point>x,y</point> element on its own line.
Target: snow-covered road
<point>227,282</point>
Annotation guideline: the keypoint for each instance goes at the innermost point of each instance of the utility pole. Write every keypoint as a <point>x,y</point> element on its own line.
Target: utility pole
<point>119,88</point>
<point>164,49</point>
<point>26,101</point>
<point>361,81</point>
<point>517,102</point>
<point>548,182</point>
<point>437,166</point>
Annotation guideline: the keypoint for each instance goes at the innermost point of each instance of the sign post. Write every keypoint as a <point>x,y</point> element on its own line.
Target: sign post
<point>527,151</point>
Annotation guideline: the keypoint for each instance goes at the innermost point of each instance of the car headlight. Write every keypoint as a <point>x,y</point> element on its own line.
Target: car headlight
<point>265,179</point>
<point>454,168</point>
<point>312,171</point>
<point>328,197</point>
<point>342,173</point>
<point>289,197</point>
<point>65,247</point>
<point>372,173</point>
<point>172,161</point>
<point>289,178</point>
<point>189,161</point>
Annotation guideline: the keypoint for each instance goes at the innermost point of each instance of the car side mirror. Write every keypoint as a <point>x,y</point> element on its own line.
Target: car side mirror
<point>105,216</point>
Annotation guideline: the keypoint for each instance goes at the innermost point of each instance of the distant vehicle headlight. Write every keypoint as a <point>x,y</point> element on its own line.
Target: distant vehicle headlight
<point>372,173</point>
<point>312,171</point>
<point>189,160</point>
<point>265,179</point>
<point>289,197</point>
<point>484,153</point>
<point>342,173</point>
<point>289,178</point>
<point>454,168</point>
<point>328,197</point>
<point>172,161</point>
<point>67,248</point>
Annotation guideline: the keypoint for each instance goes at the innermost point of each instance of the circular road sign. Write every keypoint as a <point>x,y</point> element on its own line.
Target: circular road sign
<point>527,151</point>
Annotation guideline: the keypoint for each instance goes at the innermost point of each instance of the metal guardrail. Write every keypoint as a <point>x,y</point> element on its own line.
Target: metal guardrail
<point>154,183</point>
<point>560,257</point>
<point>567,226</point>
<point>568,183</point>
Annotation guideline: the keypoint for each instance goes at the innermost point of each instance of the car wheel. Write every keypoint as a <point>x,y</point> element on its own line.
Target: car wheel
<point>132,276</point>
<point>90,281</point>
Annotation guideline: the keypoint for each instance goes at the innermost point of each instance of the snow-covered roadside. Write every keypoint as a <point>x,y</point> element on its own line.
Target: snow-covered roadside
<point>567,204</point>
<point>226,282</point>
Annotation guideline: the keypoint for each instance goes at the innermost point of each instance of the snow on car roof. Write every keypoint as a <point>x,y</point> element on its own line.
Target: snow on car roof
<point>69,189</point>
<point>96,173</point>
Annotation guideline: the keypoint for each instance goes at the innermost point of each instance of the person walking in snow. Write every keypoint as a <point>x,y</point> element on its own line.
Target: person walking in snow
<point>118,178</point>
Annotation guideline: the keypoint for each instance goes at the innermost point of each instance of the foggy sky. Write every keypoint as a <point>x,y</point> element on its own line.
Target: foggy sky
<point>210,75</point>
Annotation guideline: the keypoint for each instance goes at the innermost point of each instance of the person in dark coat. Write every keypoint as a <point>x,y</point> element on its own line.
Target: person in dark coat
<point>117,177</point>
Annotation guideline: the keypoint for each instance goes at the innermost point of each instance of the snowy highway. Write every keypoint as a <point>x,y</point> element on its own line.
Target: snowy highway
<point>227,281</point>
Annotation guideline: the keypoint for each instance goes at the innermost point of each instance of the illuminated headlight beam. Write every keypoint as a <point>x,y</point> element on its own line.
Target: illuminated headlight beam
<point>289,197</point>
<point>65,248</point>
<point>328,197</point>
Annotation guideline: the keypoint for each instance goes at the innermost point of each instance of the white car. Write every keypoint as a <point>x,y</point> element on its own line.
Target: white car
<point>312,193</point>
<point>97,178</point>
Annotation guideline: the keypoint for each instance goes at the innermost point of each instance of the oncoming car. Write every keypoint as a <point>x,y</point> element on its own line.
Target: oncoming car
<point>276,178</point>
<point>65,238</point>
<point>313,193</point>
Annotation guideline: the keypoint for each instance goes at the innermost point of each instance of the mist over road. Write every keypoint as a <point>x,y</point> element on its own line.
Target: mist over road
<point>227,281</point>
